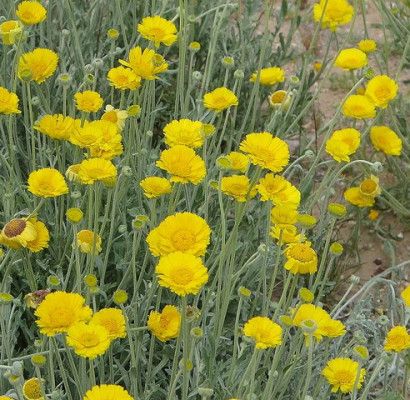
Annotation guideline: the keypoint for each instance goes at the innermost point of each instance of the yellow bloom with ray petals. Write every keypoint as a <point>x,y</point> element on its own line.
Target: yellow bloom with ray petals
<point>37,65</point>
<point>89,242</point>
<point>397,339</point>
<point>31,12</point>
<point>341,374</point>
<point>220,99</point>
<point>123,78</point>
<point>155,186</point>
<point>56,126</point>
<point>283,215</point>
<point>18,232</point>
<point>47,182</point>
<point>333,13</point>
<point>405,295</point>
<point>33,389</point>
<point>42,237</point>
<point>359,107</point>
<point>165,325</point>
<point>367,45</point>
<point>182,273</point>
<point>381,90</point>
<point>9,102</point>
<point>237,161</point>
<point>184,132</point>
<point>94,170</point>
<point>286,234</point>
<point>343,143</point>
<point>269,76</point>
<point>10,32</point>
<point>115,116</point>
<point>74,215</point>
<point>386,140</point>
<point>301,258</point>
<point>238,187</point>
<point>158,30</point>
<point>88,101</point>
<point>364,195</point>
<point>264,332</point>
<point>280,191</point>
<point>113,320</point>
<point>350,59</point>
<point>107,392</point>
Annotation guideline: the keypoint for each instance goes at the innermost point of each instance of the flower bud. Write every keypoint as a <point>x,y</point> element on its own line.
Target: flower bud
<point>98,63</point>
<point>361,352</point>
<point>194,46</point>
<point>228,62</point>
<point>197,75</point>
<point>53,281</point>
<point>197,332</point>
<point>74,215</point>
<point>126,171</point>
<point>38,360</point>
<point>113,34</point>
<point>140,221</point>
<point>90,280</point>
<point>75,194</point>
<point>88,69</point>
<point>6,298</point>
<point>120,297</point>
<point>306,295</point>
<point>306,220</point>
<point>308,326</point>
<point>134,110</point>
<point>336,249</point>
<point>377,167</point>
<point>244,292</point>
<point>64,79</point>
<point>205,392</point>
<point>239,74</point>
<point>337,209</point>
<point>65,32</point>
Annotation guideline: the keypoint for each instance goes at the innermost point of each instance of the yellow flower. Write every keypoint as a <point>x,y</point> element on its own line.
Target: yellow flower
<point>283,215</point>
<point>341,373</point>
<point>277,189</point>
<point>88,101</point>
<point>343,143</point>
<point>94,170</point>
<point>269,76</point>
<point>123,78</point>
<point>59,311</point>
<point>367,45</point>
<point>115,116</point>
<point>146,64</point>
<point>182,273</point>
<point>333,13</point>
<point>113,320</point>
<point>32,389</point>
<point>88,340</point>
<point>381,90</point>
<point>109,143</point>
<point>158,30</point>
<point>238,187</point>
<point>405,295</point>
<point>373,215</point>
<point>10,31</point>
<point>37,65</point>
<point>120,297</point>
<point>74,215</point>
<point>286,234</point>
<point>266,151</point>
<point>31,12</point>
<point>301,258</point>
<point>386,140</point>
<point>154,186</point>
<point>337,209</point>
<point>359,107</point>
<point>56,126</point>
<point>351,59</point>
<point>182,164</point>
<point>88,241</point>
<point>106,392</point>
<point>165,325</point>
<point>332,328</point>
<point>184,132</point>
<point>220,99</point>
<point>397,339</point>
<point>18,232</point>
<point>42,237</point>
<point>280,99</point>
<point>364,194</point>
<point>47,182</point>
<point>9,102</point>
<point>184,232</point>
<point>264,332</point>
<point>236,161</point>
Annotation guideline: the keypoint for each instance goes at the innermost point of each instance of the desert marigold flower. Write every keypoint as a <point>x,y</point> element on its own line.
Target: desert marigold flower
<point>74,215</point>
<point>279,99</point>
<point>234,161</point>
<point>37,65</point>
<point>269,76</point>
<point>182,164</point>
<point>115,116</point>
<point>307,221</point>
<point>363,195</point>
<point>59,311</point>
<point>194,46</point>
<point>88,340</point>
<point>286,233</point>
<point>105,392</point>
<point>10,31</point>
<point>42,237</point>
<point>182,273</point>
<point>184,232</point>
<point>158,30</point>
<point>397,339</point>
<point>165,325</point>
<point>88,101</point>
<point>31,12</point>
<point>351,59</point>
<point>123,78</point>
<point>17,233</point>
<point>184,132</point>
<point>341,374</point>
<point>94,170</point>
<point>367,45</point>
<point>56,126</point>
<point>277,189</point>
<point>238,187</point>
<point>155,186</point>
<point>381,90</point>
<point>89,242</point>
<point>220,99</point>
<point>113,320</point>
<point>306,295</point>
<point>301,258</point>
<point>343,143</point>
<point>336,248</point>
<point>47,182</point>
<point>120,297</point>
<point>9,102</point>
<point>359,107</point>
<point>386,140</point>
<point>337,209</point>
<point>264,332</point>
<point>266,151</point>
<point>32,389</point>
<point>405,295</point>
<point>373,215</point>
<point>283,215</point>
<point>145,63</point>
<point>333,13</point>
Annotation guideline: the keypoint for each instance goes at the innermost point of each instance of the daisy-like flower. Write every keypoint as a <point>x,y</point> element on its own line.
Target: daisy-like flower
<point>59,311</point>
<point>266,151</point>
<point>359,107</point>
<point>158,30</point>
<point>94,170</point>
<point>9,102</point>
<point>181,273</point>
<point>381,90</point>
<point>56,126</point>
<point>397,339</point>
<point>184,132</point>
<point>10,31</point>
<point>106,392</point>
<point>220,99</point>
<point>234,161</point>
<point>367,45</point>
<point>280,191</point>
<point>88,340</point>
<point>89,242</point>
<point>155,186</point>
<point>264,332</point>
<point>301,258</point>
<point>341,374</point>
<point>183,164</point>
<point>165,325</point>
<point>17,233</point>
<point>364,195</point>
<point>115,116</point>
<point>405,295</point>
<point>88,101</point>
<point>333,13</point>
<point>31,12</point>
<point>386,140</point>
<point>37,65</point>
<point>123,78</point>
<point>238,187</point>
<point>74,215</point>
<point>42,237</point>
<point>343,143</point>
<point>269,76</point>
<point>47,182</point>
<point>351,59</point>
<point>113,320</point>
<point>32,389</point>
<point>184,232</point>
